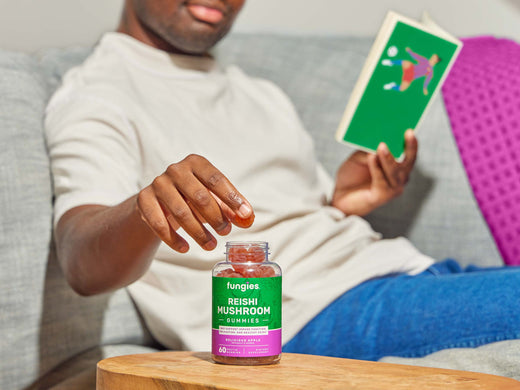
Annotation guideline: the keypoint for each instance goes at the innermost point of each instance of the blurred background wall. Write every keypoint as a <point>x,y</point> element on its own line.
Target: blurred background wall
<point>33,24</point>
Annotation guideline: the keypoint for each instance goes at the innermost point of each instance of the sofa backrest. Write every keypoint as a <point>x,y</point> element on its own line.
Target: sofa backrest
<point>43,322</point>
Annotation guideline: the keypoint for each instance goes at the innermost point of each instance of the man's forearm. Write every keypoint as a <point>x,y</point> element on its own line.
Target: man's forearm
<point>102,248</point>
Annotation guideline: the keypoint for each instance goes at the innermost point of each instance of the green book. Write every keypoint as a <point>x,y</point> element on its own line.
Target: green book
<point>404,70</point>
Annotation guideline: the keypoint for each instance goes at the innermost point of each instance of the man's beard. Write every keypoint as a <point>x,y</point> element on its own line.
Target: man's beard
<point>194,42</point>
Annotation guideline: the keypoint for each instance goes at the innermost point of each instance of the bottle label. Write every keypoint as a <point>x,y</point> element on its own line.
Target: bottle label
<point>247,316</point>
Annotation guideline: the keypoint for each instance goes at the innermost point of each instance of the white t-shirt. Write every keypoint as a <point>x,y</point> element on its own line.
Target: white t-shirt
<point>130,110</point>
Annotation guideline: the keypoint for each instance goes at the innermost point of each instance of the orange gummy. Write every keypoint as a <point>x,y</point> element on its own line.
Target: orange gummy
<point>245,222</point>
<point>244,254</point>
<point>229,273</point>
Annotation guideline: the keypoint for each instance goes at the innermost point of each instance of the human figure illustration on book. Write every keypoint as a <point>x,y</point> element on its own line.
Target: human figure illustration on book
<point>412,71</point>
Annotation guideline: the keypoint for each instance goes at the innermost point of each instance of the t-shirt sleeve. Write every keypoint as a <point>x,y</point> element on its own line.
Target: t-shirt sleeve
<point>93,152</point>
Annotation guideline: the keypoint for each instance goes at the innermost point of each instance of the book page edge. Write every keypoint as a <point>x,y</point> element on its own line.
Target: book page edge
<point>366,73</point>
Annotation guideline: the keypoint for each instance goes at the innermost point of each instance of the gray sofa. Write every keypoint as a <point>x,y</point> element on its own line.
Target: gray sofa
<point>52,337</point>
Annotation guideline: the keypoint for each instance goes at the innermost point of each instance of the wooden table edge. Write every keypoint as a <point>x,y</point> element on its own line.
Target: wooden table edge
<point>113,374</point>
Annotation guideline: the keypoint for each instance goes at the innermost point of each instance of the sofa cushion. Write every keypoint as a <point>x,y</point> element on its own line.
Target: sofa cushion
<point>498,358</point>
<point>43,321</point>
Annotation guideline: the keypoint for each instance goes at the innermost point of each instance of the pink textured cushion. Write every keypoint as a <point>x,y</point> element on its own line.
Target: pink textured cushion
<point>482,98</point>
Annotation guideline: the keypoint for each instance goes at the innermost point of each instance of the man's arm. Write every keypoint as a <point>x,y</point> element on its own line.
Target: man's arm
<point>102,248</point>
<point>366,181</point>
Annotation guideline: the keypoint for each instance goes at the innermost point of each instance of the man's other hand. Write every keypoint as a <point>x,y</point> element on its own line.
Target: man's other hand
<point>366,181</point>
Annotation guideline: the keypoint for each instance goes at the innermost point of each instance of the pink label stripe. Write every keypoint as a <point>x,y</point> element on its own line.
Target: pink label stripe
<point>247,346</point>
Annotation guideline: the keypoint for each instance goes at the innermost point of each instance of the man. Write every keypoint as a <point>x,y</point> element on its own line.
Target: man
<point>155,148</point>
<point>413,71</point>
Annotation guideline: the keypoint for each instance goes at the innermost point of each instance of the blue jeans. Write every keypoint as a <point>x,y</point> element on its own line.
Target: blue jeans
<point>412,316</point>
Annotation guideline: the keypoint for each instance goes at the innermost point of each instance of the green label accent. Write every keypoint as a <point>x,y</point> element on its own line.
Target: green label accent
<point>247,302</point>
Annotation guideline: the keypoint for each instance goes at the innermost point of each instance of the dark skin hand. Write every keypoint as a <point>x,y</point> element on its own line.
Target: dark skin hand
<point>366,181</point>
<point>188,194</point>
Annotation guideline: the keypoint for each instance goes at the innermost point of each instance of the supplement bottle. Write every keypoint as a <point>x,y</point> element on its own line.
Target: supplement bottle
<point>247,297</point>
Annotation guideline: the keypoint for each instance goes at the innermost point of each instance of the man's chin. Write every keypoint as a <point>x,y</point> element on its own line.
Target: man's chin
<point>199,41</point>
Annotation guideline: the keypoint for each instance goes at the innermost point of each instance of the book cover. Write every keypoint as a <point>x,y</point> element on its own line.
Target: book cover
<point>404,70</point>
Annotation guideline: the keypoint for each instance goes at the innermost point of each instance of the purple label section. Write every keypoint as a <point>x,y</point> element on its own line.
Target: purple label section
<point>247,346</point>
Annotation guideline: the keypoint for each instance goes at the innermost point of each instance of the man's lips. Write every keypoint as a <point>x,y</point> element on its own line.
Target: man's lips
<point>205,14</point>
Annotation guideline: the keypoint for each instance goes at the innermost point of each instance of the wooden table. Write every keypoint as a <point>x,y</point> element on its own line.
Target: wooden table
<point>196,370</point>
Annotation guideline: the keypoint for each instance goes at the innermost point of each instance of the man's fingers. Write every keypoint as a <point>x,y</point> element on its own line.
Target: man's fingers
<point>188,195</point>
<point>178,211</point>
<point>410,151</point>
<point>218,184</point>
<point>376,172</point>
<point>380,188</point>
<point>153,215</point>
<point>359,157</point>
<point>225,191</point>
<point>397,173</point>
<point>204,205</point>
<point>233,217</point>
<point>389,166</point>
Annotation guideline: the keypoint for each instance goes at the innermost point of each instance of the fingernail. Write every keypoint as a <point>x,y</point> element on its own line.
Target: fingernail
<point>244,210</point>
<point>383,148</point>
<point>223,226</point>
<point>224,230</point>
<point>210,245</point>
